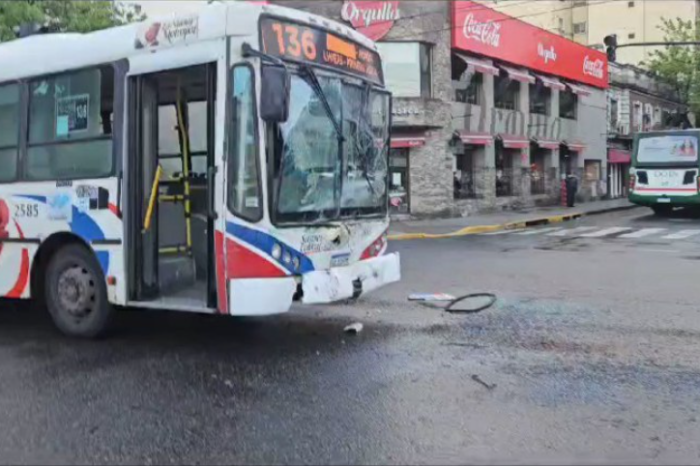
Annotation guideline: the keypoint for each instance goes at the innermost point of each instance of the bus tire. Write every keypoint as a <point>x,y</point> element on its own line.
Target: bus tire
<point>662,210</point>
<point>76,293</point>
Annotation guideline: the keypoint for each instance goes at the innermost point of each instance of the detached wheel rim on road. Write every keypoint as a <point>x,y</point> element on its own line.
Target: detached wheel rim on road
<point>77,295</point>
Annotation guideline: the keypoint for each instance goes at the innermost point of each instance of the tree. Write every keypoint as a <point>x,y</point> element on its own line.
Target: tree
<point>65,15</point>
<point>679,64</point>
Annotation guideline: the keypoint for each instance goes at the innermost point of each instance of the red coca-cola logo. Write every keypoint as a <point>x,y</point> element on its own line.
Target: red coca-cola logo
<point>487,32</point>
<point>371,18</point>
<point>593,67</point>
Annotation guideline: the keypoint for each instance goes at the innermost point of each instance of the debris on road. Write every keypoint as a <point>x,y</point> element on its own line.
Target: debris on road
<point>430,297</point>
<point>354,329</point>
<point>478,380</point>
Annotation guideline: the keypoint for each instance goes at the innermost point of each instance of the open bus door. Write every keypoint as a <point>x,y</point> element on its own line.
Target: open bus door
<point>171,189</point>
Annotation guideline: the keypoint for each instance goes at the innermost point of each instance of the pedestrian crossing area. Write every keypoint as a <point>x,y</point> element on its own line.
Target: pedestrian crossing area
<point>629,233</point>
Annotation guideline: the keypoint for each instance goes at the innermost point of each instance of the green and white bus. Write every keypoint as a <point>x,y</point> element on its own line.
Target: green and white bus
<point>664,173</point>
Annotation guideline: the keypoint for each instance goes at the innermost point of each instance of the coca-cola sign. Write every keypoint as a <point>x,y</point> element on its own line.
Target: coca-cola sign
<point>594,67</point>
<point>487,32</point>
<point>371,18</point>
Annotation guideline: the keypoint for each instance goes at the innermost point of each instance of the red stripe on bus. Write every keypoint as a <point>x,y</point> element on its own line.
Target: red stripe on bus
<point>115,210</point>
<point>23,279</point>
<point>220,273</point>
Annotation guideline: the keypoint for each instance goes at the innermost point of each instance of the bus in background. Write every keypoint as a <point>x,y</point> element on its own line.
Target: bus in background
<point>231,161</point>
<point>664,172</point>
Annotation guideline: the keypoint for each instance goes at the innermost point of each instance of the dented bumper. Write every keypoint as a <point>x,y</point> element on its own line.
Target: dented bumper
<point>339,283</point>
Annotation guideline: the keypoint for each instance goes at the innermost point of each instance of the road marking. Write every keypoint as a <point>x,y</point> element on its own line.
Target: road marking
<point>605,232</point>
<point>501,232</point>
<point>572,231</point>
<point>683,234</point>
<point>538,232</point>
<point>643,232</point>
<point>664,251</point>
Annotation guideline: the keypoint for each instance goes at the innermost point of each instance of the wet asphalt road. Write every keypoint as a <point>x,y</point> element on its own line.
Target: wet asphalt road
<point>590,356</point>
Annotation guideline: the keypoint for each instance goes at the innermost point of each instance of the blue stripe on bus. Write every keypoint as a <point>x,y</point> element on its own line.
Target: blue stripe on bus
<point>265,243</point>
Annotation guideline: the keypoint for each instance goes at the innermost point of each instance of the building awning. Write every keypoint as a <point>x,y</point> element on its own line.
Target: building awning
<point>551,82</point>
<point>479,65</point>
<point>512,141</point>
<point>479,139</point>
<point>406,142</point>
<point>546,143</point>
<point>619,156</point>
<point>576,146</point>
<point>578,89</point>
<point>518,74</point>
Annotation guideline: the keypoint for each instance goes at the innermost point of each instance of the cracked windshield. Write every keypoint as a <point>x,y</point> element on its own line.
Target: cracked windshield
<point>320,177</point>
<point>434,232</point>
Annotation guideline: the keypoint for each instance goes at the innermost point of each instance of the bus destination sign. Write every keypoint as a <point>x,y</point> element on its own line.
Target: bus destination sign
<point>297,42</point>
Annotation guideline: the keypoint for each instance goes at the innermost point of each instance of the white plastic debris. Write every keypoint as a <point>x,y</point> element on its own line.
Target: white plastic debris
<point>353,328</point>
<point>426,297</point>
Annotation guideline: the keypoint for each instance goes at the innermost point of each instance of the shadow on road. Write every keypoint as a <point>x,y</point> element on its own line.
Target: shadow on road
<point>297,332</point>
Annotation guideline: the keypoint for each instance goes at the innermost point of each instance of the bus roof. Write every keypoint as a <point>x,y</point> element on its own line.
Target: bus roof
<point>53,53</point>
<point>668,132</point>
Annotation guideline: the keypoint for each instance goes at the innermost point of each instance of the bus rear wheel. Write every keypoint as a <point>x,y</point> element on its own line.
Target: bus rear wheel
<point>76,294</point>
<point>662,210</point>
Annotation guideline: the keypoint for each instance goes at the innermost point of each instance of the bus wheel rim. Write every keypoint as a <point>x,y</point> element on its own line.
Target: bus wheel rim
<point>76,291</point>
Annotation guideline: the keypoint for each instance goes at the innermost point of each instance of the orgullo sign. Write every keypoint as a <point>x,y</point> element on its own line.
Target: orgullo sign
<point>482,30</point>
<point>371,18</point>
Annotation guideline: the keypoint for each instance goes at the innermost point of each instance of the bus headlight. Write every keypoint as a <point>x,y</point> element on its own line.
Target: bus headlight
<point>277,251</point>
<point>287,258</point>
<point>296,262</point>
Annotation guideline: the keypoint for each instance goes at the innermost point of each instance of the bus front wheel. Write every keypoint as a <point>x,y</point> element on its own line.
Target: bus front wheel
<point>76,294</point>
<point>662,210</point>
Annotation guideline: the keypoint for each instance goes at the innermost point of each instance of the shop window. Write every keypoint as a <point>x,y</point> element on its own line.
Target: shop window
<point>537,171</point>
<point>591,170</point>
<point>398,181</point>
<point>506,92</point>
<point>472,93</point>
<point>504,171</point>
<point>407,68</point>
<point>70,125</point>
<point>464,175</point>
<point>9,131</point>
<point>613,114</point>
<point>540,97</point>
<point>568,105</point>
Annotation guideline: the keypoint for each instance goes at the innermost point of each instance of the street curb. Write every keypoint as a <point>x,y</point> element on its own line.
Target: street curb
<point>476,229</point>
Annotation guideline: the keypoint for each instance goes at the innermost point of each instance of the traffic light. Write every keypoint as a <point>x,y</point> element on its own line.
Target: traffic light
<point>611,44</point>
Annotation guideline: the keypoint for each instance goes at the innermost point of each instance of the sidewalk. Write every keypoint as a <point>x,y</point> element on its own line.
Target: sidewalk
<point>483,223</point>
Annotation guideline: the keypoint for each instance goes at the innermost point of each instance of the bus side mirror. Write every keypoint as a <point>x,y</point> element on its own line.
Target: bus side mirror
<point>274,94</point>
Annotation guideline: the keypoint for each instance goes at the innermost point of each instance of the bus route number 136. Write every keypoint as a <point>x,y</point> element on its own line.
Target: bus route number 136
<point>293,43</point>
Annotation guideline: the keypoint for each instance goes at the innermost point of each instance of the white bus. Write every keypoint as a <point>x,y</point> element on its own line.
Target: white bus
<point>231,161</point>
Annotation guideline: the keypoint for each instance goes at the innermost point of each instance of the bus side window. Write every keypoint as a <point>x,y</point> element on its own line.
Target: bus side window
<point>70,124</point>
<point>9,131</point>
<point>245,197</point>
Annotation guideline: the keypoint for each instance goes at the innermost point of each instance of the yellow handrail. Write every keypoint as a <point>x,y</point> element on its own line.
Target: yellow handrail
<point>152,200</point>
<point>185,138</point>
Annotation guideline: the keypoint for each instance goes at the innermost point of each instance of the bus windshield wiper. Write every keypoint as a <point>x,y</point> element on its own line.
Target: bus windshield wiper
<point>310,77</point>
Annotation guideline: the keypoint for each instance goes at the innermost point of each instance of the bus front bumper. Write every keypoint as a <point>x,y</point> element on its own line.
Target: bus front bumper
<point>340,283</point>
